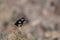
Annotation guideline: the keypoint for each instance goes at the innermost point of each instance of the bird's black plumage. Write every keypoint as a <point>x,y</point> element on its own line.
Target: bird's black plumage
<point>19,21</point>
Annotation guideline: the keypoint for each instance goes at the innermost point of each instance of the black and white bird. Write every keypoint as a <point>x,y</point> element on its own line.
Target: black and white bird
<point>20,22</point>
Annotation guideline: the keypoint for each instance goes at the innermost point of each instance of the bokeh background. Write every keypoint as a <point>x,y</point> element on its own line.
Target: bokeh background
<point>43,19</point>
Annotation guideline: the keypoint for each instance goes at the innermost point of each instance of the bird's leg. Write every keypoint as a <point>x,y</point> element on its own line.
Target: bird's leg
<point>20,27</point>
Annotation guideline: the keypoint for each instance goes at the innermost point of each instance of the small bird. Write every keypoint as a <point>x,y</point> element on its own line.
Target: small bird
<point>20,22</point>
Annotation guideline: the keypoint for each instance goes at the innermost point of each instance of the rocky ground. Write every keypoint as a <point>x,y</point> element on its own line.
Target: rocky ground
<point>43,19</point>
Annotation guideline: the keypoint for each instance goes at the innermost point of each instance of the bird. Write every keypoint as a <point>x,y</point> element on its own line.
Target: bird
<point>20,22</point>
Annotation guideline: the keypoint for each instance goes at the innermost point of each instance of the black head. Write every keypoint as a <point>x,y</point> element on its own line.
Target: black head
<point>20,21</point>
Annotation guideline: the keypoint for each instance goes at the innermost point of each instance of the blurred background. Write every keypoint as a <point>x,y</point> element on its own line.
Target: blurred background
<point>43,19</point>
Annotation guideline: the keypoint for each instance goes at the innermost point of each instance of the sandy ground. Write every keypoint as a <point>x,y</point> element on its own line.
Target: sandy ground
<point>43,20</point>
